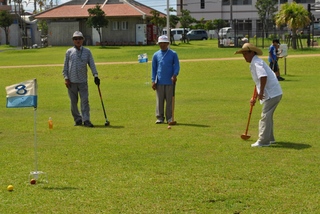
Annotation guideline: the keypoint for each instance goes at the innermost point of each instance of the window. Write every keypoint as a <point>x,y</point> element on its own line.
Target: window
<point>283,1</point>
<point>125,25</point>
<point>237,2</point>
<point>115,25</point>
<point>304,1</point>
<point>202,5</point>
<point>225,2</point>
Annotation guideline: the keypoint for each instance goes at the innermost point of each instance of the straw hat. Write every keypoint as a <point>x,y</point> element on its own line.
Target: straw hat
<point>249,47</point>
<point>163,38</point>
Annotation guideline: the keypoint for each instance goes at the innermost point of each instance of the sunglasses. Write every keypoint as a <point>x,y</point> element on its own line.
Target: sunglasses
<point>78,38</point>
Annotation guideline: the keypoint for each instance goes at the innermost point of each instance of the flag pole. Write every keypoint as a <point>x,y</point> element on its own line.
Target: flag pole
<point>35,141</point>
<point>147,73</point>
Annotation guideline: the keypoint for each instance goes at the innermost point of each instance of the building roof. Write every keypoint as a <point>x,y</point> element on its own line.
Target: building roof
<point>71,10</point>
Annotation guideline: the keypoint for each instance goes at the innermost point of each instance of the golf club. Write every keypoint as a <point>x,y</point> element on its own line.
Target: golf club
<point>107,123</point>
<point>245,136</point>
<point>173,122</point>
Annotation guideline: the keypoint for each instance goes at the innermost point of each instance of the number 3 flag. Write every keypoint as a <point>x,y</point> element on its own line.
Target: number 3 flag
<point>22,94</point>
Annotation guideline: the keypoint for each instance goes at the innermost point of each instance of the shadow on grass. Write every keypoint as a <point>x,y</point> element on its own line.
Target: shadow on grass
<point>290,145</point>
<point>191,124</point>
<point>109,47</point>
<point>108,127</point>
<point>60,188</point>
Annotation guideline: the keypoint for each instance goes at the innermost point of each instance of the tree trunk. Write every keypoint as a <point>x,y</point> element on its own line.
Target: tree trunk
<point>6,30</point>
<point>294,39</point>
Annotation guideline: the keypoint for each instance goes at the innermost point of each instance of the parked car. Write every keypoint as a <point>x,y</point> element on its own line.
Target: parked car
<point>226,32</point>
<point>197,35</point>
<point>177,33</point>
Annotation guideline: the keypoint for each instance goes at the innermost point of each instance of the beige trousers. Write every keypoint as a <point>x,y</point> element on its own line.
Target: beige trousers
<point>266,121</point>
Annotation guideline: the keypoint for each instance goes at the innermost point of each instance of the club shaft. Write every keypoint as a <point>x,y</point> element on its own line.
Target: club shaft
<point>104,110</point>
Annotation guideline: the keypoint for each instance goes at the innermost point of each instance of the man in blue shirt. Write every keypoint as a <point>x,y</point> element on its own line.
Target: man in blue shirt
<point>165,69</point>
<point>273,58</point>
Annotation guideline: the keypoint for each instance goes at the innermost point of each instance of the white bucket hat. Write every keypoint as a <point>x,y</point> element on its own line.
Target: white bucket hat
<point>163,38</point>
<point>77,34</point>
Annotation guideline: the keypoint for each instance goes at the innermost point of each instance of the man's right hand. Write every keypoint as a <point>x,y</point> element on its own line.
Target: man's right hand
<point>67,83</point>
<point>154,86</point>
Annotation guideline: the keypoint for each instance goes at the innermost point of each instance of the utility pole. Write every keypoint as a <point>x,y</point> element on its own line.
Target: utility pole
<point>231,14</point>
<point>309,28</point>
<point>168,21</point>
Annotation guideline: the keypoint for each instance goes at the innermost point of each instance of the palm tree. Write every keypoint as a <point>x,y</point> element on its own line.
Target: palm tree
<point>295,16</point>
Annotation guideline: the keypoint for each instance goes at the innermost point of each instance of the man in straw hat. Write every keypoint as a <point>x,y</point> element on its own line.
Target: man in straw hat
<point>76,78</point>
<point>165,69</point>
<point>268,91</point>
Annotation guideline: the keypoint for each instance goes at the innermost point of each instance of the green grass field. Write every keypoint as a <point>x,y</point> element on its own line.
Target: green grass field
<point>200,165</point>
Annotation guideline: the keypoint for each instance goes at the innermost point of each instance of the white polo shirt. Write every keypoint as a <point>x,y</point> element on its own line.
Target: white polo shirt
<point>259,68</point>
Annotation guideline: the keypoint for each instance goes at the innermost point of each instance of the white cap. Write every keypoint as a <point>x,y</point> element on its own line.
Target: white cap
<point>244,39</point>
<point>77,34</point>
<point>163,38</point>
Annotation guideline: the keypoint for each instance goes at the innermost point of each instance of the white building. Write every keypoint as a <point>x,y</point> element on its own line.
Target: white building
<point>243,11</point>
<point>222,9</point>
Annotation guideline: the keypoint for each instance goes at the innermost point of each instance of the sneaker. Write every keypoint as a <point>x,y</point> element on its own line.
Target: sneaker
<point>78,123</point>
<point>280,78</point>
<point>257,144</point>
<point>159,121</point>
<point>87,123</point>
<point>272,142</point>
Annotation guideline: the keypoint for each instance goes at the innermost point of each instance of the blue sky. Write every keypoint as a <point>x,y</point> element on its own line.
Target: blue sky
<point>160,5</point>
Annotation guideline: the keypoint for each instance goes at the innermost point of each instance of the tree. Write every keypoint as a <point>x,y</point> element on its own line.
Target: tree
<point>209,25</point>
<point>173,19</point>
<point>97,19</point>
<point>200,24</point>
<point>219,23</point>
<point>158,21</point>
<point>266,10</point>
<point>186,20</point>
<point>295,16</point>
<point>5,21</point>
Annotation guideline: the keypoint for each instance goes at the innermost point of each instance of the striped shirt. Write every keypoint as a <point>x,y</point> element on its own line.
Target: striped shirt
<point>75,65</point>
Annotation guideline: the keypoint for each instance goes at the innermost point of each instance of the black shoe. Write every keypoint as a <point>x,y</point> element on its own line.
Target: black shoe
<point>280,78</point>
<point>87,123</point>
<point>78,123</point>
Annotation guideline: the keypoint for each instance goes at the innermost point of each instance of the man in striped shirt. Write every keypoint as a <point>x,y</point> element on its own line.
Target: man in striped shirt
<point>75,74</point>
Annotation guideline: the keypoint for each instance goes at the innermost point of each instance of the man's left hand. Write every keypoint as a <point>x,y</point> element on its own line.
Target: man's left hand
<point>97,81</point>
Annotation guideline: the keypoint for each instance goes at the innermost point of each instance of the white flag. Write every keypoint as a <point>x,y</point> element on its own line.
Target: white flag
<point>22,94</point>
<point>142,58</point>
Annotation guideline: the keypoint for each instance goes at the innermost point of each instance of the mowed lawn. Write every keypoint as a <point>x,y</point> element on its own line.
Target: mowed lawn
<point>201,165</point>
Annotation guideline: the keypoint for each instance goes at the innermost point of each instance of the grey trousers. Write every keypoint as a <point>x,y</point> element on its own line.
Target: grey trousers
<point>266,121</point>
<point>164,95</point>
<point>74,91</point>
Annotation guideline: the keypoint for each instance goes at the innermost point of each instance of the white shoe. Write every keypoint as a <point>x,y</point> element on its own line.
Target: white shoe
<point>257,144</point>
<point>159,121</point>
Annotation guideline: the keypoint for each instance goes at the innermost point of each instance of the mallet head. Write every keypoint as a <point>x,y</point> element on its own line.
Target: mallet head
<point>245,137</point>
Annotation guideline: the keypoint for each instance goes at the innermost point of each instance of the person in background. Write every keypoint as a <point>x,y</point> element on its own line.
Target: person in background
<point>273,58</point>
<point>244,40</point>
<point>267,90</point>
<point>76,79</point>
<point>165,69</point>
